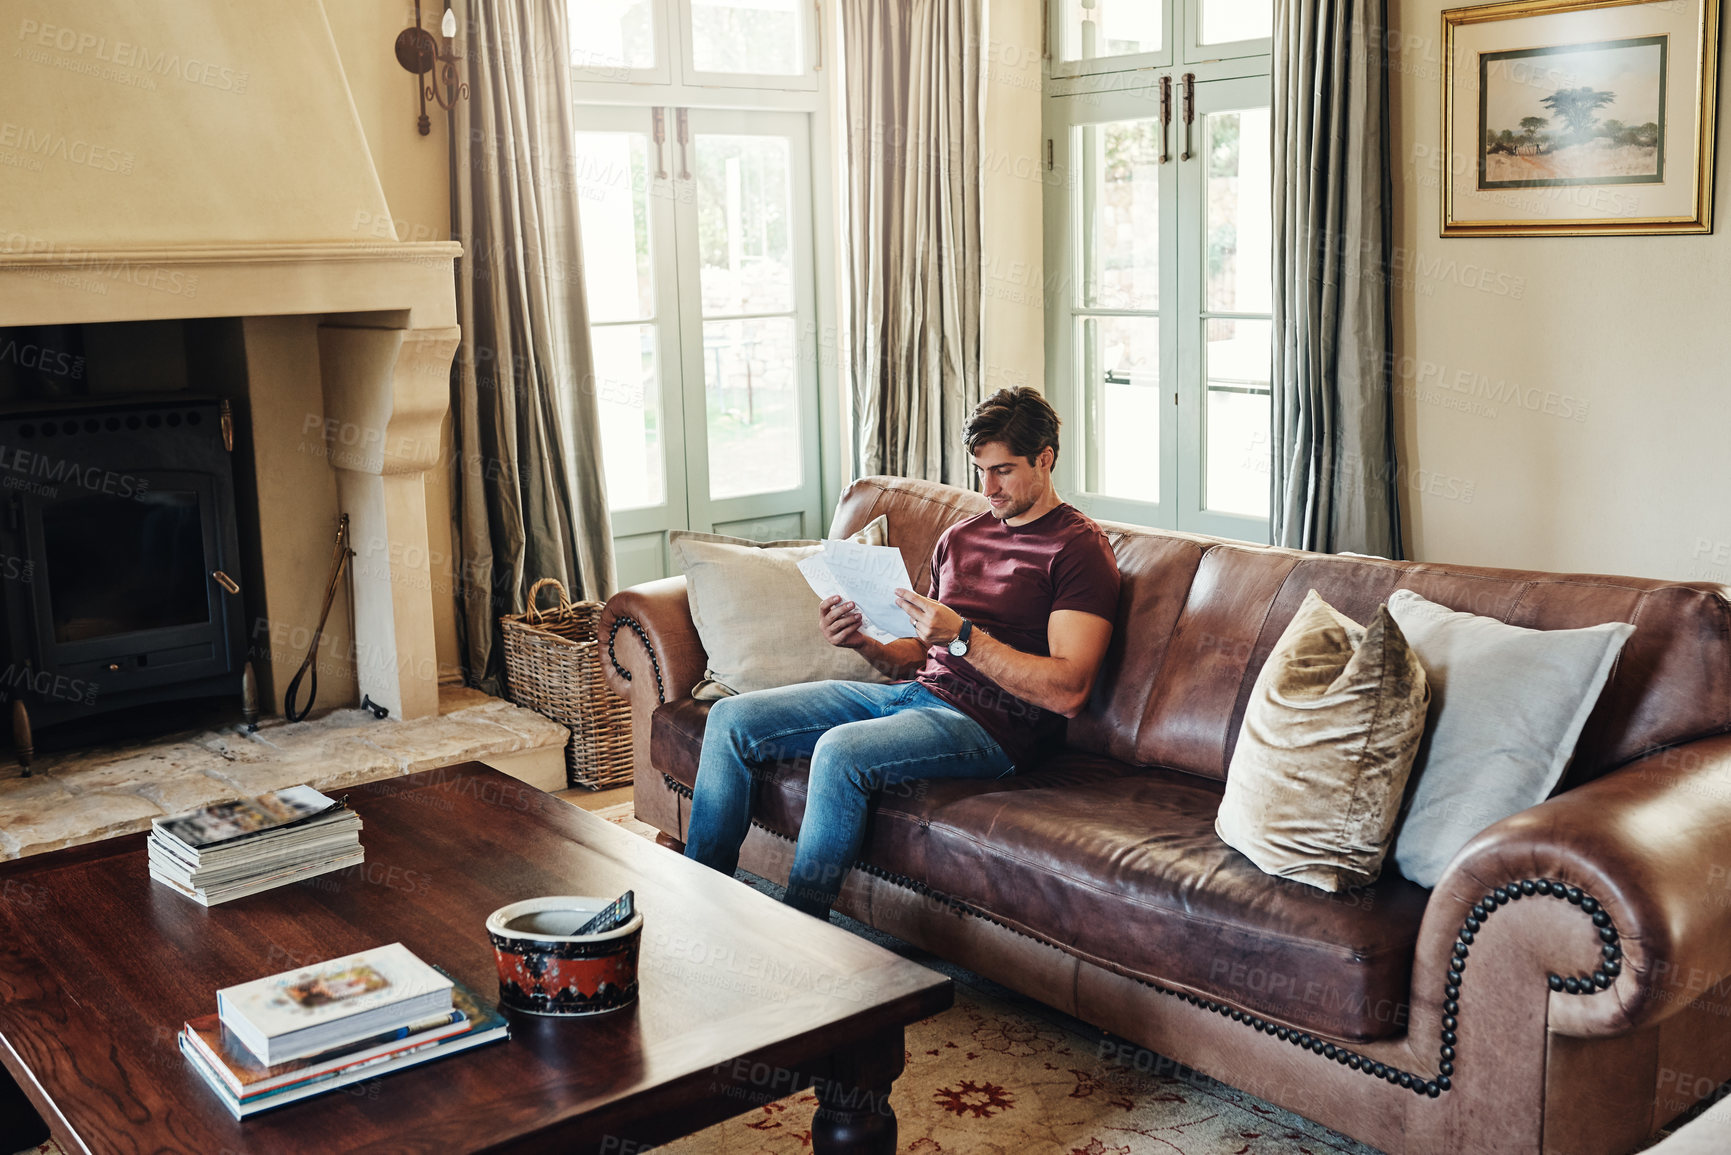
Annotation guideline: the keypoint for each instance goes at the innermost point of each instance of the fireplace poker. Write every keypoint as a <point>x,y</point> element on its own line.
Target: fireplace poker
<point>340,556</point>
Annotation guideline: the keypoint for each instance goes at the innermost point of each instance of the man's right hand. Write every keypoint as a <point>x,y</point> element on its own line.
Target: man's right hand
<point>841,622</point>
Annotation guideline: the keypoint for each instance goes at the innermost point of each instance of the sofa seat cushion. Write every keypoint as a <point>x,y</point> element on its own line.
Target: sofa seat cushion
<point>895,834</point>
<point>676,738</point>
<point>676,744</point>
<point>1121,866</point>
<point>1127,872</point>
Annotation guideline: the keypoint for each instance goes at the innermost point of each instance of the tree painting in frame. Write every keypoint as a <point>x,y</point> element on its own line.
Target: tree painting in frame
<point>1579,117</point>
<point>1577,114</point>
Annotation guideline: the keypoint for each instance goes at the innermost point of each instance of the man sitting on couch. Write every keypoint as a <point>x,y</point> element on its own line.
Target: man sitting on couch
<point>1009,640</point>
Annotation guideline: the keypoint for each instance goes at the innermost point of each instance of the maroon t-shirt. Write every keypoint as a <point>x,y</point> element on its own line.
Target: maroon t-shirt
<point>1008,580</point>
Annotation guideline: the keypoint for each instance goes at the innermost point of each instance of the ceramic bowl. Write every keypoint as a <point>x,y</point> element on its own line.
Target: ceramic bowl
<point>546,970</point>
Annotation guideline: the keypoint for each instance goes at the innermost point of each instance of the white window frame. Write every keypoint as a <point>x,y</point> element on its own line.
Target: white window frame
<point>671,84</point>
<point>805,80</point>
<point>677,82</point>
<point>1195,52</point>
<point>660,72</point>
<point>1115,88</point>
<point>1130,62</point>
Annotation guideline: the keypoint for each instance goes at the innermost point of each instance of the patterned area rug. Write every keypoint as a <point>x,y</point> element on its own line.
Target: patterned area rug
<point>988,1077</point>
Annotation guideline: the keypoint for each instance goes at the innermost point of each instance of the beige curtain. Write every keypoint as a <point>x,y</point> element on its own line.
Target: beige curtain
<point>913,75</point>
<point>1336,484</point>
<point>529,496</point>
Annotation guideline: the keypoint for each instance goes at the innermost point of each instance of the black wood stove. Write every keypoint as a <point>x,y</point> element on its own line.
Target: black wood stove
<point>118,559</point>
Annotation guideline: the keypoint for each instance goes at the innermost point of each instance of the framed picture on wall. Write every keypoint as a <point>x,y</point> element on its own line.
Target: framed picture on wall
<point>1579,117</point>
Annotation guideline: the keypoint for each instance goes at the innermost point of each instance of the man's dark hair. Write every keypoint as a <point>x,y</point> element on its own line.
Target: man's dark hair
<point>1020,418</point>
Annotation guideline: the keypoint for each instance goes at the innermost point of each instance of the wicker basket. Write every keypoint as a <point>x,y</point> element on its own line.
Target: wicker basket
<point>553,666</point>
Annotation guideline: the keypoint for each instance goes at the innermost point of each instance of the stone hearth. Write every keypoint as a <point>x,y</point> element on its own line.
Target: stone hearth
<point>90,794</point>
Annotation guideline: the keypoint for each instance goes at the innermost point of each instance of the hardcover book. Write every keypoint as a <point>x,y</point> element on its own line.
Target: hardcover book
<point>302,1012</point>
<point>245,1078</point>
<point>224,1064</point>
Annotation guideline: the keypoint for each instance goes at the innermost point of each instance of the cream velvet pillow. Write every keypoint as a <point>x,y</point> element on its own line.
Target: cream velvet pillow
<point>1328,741</point>
<point>758,617</point>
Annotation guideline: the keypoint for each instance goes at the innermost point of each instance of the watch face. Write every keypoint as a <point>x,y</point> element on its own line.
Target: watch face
<point>958,647</point>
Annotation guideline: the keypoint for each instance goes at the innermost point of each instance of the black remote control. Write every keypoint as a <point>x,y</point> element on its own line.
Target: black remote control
<point>615,915</point>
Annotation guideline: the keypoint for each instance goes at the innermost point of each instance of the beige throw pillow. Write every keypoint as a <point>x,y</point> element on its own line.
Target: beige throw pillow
<point>757,616</point>
<point>1328,741</point>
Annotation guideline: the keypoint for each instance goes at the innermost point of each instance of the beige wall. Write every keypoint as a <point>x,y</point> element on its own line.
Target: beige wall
<point>1565,403</point>
<point>161,123</point>
<point>415,172</point>
<point>1013,332</point>
<point>414,169</point>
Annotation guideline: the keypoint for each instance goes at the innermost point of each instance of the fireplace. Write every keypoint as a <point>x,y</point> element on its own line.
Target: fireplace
<point>332,340</point>
<point>117,529</point>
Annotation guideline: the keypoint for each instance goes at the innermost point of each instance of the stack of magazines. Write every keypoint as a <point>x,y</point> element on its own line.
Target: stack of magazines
<point>304,1032</point>
<point>234,849</point>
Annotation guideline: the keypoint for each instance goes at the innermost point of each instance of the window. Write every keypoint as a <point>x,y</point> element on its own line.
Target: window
<point>767,44</point>
<point>697,124</point>
<point>1159,229</point>
<point>1096,30</point>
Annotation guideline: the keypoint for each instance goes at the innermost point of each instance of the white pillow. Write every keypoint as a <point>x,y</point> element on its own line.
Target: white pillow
<point>1507,707</point>
<point>757,616</point>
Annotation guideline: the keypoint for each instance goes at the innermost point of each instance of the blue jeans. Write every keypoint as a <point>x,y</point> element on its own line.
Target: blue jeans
<point>861,738</point>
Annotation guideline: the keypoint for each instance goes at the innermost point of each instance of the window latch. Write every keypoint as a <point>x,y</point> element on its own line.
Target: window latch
<point>659,115</point>
<point>1189,111</point>
<point>1165,119</point>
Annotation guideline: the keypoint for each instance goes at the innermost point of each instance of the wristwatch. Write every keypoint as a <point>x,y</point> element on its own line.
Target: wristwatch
<point>959,643</point>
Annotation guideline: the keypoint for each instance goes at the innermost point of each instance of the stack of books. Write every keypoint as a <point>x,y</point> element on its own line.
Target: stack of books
<point>234,849</point>
<point>301,1033</point>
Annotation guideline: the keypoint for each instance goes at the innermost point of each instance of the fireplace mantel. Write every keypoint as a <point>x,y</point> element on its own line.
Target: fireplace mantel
<point>51,284</point>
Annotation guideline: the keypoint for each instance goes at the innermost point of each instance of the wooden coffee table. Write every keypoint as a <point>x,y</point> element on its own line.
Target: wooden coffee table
<point>743,1001</point>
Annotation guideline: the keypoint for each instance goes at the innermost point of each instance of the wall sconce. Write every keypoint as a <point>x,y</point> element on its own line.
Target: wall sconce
<point>419,53</point>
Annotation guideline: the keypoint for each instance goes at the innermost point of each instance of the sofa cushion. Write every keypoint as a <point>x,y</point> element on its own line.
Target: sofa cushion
<point>1154,572</point>
<point>1509,706</point>
<point>1121,866</point>
<point>676,745</point>
<point>918,512</point>
<point>1126,871</point>
<point>1328,742</point>
<point>893,837</point>
<point>676,738</point>
<point>1672,682</point>
<point>757,615</point>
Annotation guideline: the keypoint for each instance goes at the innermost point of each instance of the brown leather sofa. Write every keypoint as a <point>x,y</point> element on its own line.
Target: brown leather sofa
<point>1566,988</point>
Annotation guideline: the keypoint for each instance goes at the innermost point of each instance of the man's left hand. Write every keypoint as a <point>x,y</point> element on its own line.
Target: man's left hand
<point>935,624</point>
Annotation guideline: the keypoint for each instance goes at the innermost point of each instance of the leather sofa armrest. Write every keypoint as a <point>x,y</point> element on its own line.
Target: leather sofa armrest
<point>651,654</point>
<point>655,619</point>
<point>1648,845</point>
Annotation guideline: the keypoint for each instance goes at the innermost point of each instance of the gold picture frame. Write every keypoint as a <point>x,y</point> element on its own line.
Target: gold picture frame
<point>1579,117</point>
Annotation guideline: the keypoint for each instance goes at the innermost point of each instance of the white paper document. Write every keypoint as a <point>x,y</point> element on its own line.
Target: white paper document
<point>868,576</point>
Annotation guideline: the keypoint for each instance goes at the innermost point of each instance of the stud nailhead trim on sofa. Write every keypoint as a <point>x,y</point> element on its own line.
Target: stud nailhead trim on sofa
<point>1609,967</point>
<point>1606,972</point>
<point>654,663</point>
